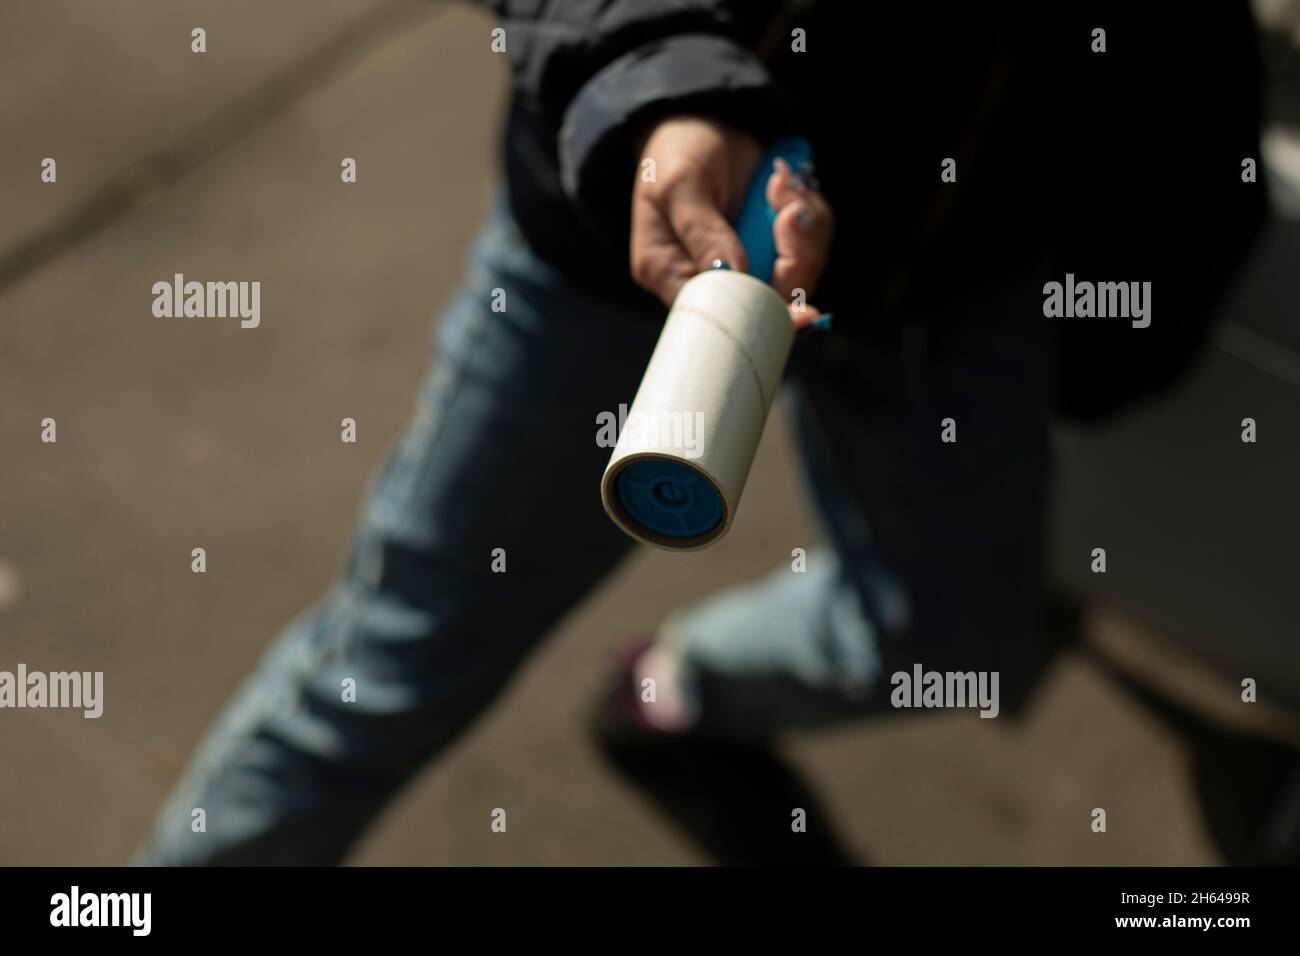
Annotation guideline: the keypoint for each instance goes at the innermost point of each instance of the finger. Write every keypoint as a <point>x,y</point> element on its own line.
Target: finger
<point>702,229</point>
<point>802,232</point>
<point>803,316</point>
<point>783,187</point>
<point>658,262</point>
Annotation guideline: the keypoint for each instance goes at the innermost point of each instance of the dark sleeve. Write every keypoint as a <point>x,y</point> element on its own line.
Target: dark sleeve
<point>600,70</point>
<point>1155,191</point>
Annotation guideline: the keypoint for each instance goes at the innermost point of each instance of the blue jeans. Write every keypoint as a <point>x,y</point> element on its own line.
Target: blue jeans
<point>935,550</point>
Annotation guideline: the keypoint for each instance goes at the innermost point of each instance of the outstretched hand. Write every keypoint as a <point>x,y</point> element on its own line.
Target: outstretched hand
<point>682,212</point>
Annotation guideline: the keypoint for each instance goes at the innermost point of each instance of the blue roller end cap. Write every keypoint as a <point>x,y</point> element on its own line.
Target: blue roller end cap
<point>668,498</point>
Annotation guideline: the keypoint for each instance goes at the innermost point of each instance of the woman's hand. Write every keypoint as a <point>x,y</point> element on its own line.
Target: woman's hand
<point>681,215</point>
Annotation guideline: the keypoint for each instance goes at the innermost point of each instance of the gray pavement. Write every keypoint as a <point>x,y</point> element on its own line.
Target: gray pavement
<point>179,435</point>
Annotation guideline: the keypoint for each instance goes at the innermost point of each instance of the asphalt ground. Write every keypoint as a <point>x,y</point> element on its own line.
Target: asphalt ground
<point>172,436</point>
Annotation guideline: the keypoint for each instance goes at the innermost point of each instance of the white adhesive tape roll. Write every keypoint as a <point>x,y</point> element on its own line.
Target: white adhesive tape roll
<point>684,452</point>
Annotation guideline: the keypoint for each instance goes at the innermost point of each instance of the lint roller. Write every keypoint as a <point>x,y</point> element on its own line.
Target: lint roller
<point>684,452</point>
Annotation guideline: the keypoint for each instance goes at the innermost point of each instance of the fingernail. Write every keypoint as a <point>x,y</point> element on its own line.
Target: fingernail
<point>804,217</point>
<point>720,264</point>
<point>822,324</point>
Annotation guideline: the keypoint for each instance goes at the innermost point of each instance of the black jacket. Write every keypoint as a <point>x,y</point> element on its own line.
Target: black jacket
<point>1123,165</point>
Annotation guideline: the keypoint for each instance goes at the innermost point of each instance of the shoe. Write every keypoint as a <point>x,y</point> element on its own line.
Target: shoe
<point>735,798</point>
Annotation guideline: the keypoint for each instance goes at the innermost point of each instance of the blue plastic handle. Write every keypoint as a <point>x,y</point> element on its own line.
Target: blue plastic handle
<point>754,224</point>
